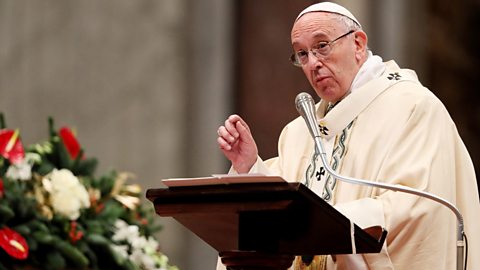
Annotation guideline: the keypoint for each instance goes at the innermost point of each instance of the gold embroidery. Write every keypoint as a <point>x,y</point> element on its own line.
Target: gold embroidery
<point>319,262</point>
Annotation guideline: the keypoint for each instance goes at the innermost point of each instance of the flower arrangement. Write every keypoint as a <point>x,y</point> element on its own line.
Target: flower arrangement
<point>55,214</point>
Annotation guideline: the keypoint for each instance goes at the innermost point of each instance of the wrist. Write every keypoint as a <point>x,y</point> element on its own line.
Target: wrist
<point>244,167</point>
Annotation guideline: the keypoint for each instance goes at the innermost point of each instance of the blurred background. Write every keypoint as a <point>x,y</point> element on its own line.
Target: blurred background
<point>146,83</point>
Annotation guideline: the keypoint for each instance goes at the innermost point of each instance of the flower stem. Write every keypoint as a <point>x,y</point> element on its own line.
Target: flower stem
<point>2,121</point>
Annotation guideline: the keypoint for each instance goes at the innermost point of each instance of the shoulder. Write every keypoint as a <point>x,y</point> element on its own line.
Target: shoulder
<point>406,91</point>
<point>404,100</point>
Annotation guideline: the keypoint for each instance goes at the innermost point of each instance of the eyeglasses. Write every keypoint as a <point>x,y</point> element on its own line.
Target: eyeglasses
<point>321,49</point>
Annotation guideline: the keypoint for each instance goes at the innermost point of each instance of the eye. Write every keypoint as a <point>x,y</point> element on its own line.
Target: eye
<point>322,45</point>
<point>301,54</point>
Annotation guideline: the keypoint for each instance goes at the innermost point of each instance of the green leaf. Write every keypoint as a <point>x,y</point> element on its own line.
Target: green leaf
<point>3,166</point>
<point>112,211</point>
<point>22,229</point>
<point>43,237</point>
<point>86,166</point>
<point>105,183</point>
<point>32,243</point>
<point>94,227</point>
<point>71,253</point>
<point>45,167</point>
<point>36,225</point>
<point>6,213</point>
<point>97,239</point>
<point>51,127</point>
<point>2,121</point>
<point>91,255</point>
<point>64,157</point>
<point>25,208</point>
<point>55,260</point>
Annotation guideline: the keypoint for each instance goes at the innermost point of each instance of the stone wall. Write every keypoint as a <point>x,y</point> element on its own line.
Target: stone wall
<point>125,75</point>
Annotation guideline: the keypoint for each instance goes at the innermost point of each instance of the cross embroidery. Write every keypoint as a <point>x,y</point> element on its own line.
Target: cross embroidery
<point>323,130</point>
<point>394,76</point>
<point>320,173</point>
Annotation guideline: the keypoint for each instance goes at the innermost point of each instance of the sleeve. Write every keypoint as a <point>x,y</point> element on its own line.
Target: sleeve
<point>260,166</point>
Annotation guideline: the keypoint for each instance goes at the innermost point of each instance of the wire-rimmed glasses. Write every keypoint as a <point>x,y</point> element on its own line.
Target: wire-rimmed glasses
<point>321,49</point>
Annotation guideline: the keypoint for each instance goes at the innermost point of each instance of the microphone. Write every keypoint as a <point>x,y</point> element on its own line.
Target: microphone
<point>305,107</point>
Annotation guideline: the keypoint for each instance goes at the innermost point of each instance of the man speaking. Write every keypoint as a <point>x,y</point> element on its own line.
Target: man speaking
<point>377,122</point>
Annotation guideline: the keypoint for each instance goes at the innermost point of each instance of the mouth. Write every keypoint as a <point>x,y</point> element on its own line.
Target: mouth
<point>320,79</point>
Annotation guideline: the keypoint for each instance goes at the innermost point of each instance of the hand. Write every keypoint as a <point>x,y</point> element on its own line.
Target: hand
<point>237,144</point>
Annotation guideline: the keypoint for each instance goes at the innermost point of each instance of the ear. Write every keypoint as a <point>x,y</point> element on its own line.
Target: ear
<point>361,41</point>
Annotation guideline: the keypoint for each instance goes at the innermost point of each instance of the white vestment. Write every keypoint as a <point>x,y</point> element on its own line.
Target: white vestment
<point>391,130</point>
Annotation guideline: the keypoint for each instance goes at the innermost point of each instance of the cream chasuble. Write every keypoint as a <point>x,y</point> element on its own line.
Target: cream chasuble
<point>399,133</point>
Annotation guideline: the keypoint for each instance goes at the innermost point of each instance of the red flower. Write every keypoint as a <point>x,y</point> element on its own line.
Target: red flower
<point>74,234</point>
<point>99,208</point>
<point>141,219</point>
<point>70,142</point>
<point>11,147</point>
<point>13,243</point>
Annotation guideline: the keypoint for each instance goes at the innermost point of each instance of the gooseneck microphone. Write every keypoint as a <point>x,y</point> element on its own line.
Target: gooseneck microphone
<point>306,108</point>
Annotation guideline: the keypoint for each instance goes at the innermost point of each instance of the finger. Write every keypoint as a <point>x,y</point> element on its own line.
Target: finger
<point>235,118</point>
<point>223,144</point>
<point>243,129</point>
<point>225,134</point>
<point>231,128</point>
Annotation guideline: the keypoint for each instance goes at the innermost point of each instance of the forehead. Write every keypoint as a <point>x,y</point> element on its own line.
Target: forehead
<point>316,24</point>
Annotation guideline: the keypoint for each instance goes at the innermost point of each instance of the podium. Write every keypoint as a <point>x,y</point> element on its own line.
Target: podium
<point>264,225</point>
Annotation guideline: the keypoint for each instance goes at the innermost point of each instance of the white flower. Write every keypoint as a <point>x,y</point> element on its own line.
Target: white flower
<point>152,244</point>
<point>138,242</point>
<point>125,232</point>
<point>20,171</point>
<point>145,261</point>
<point>122,250</point>
<point>143,252</point>
<point>23,169</point>
<point>68,195</point>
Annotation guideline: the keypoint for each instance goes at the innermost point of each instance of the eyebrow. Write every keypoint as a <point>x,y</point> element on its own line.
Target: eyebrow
<point>316,37</point>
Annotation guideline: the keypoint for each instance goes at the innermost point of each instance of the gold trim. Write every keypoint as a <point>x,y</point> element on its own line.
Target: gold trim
<point>319,262</point>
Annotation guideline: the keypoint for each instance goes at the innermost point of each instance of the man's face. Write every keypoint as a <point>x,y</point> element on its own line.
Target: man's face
<point>332,75</point>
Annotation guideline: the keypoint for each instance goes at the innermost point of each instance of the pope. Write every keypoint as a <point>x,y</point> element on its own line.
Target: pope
<point>378,122</point>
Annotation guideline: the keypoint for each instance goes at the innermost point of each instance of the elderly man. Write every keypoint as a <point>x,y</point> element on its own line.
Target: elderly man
<point>378,123</point>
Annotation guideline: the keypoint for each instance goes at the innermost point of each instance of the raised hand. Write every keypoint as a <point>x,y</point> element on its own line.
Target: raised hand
<point>237,143</point>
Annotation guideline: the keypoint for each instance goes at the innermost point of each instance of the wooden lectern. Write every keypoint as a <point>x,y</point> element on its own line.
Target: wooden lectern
<point>263,225</point>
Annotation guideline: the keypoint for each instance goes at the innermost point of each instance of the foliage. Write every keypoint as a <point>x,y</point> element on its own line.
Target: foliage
<point>56,214</point>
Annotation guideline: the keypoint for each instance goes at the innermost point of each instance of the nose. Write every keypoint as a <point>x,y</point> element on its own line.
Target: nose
<point>314,62</point>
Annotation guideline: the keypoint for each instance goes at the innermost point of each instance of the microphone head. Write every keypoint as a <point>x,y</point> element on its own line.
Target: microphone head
<point>306,108</point>
<point>302,98</point>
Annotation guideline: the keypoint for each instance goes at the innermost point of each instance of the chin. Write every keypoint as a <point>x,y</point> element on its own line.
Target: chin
<point>328,94</point>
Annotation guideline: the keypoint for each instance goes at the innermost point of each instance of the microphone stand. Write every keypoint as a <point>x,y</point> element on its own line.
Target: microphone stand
<point>319,149</point>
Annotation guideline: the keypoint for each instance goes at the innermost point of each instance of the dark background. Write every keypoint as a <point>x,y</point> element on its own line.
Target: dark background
<point>443,33</point>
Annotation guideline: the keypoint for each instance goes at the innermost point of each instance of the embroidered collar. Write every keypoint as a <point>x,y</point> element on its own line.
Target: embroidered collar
<point>373,68</point>
<point>353,104</point>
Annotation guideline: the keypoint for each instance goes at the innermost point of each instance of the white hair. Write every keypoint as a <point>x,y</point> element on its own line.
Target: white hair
<point>347,22</point>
